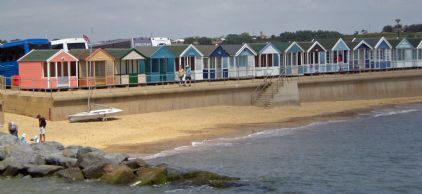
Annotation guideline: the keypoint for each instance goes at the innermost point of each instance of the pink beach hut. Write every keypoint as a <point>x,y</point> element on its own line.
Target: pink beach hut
<point>48,69</point>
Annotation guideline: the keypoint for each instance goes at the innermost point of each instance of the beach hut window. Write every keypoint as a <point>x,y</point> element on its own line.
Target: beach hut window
<point>133,68</point>
<point>206,63</point>
<point>269,60</point>
<point>257,61</point>
<point>73,68</point>
<point>155,65</point>
<point>400,54</point>
<point>419,54</point>
<point>52,70</point>
<point>192,63</point>
<point>100,68</point>
<point>44,69</point>
<point>212,63</point>
<point>328,57</point>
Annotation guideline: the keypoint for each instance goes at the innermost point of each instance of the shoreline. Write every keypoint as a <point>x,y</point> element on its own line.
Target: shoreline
<point>151,133</point>
<point>239,130</point>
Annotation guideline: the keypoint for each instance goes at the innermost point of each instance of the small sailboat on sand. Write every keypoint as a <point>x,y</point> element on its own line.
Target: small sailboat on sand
<point>103,113</point>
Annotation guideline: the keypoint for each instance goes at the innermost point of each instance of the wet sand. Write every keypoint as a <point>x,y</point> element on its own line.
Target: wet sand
<point>150,133</point>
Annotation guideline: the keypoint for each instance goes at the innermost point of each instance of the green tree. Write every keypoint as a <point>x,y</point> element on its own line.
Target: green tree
<point>387,28</point>
<point>204,41</point>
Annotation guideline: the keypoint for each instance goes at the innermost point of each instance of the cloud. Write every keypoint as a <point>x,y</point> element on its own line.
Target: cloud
<point>182,18</point>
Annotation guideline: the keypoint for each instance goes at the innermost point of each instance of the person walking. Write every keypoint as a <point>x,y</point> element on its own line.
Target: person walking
<point>13,129</point>
<point>42,124</point>
<point>188,75</point>
<point>181,74</point>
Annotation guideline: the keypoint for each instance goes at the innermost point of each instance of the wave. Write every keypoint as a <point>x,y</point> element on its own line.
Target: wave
<point>393,112</point>
<point>226,142</point>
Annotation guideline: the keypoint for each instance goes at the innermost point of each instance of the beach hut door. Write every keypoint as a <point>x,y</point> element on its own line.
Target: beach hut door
<point>62,75</point>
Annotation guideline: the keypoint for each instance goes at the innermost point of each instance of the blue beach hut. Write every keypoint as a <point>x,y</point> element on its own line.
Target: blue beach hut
<point>338,55</point>
<point>218,64</point>
<point>294,55</point>
<point>382,56</point>
<point>159,65</point>
<point>362,52</point>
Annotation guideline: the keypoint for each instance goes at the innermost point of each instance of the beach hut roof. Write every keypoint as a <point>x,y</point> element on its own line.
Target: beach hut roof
<point>177,50</point>
<point>281,46</point>
<point>38,55</point>
<point>231,49</point>
<point>147,51</point>
<point>206,49</point>
<point>394,42</point>
<point>414,42</point>
<point>257,47</point>
<point>80,54</point>
<point>118,53</point>
<point>305,45</point>
<point>328,43</point>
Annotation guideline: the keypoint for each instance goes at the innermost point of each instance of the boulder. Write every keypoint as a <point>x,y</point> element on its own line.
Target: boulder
<point>118,174</point>
<point>3,153</point>
<point>61,161</point>
<point>11,167</point>
<point>73,174</point>
<point>85,150</point>
<point>42,170</point>
<point>90,158</point>
<point>152,176</point>
<point>198,178</point>
<point>47,148</point>
<point>7,139</point>
<point>23,154</point>
<point>95,170</point>
<point>136,164</point>
<point>117,158</point>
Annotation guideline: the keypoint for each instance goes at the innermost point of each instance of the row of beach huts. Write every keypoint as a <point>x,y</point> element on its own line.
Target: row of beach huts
<point>61,68</point>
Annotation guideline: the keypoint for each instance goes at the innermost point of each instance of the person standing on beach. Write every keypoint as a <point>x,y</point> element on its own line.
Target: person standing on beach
<point>42,124</point>
<point>13,129</point>
<point>181,73</point>
<point>188,75</point>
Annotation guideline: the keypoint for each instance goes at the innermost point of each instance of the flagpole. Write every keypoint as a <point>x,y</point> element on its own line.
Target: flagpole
<point>90,70</point>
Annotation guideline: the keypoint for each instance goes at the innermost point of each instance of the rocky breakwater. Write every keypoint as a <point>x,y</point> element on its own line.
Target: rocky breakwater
<point>77,163</point>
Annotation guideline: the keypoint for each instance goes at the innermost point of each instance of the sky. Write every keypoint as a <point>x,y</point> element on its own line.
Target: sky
<point>104,20</point>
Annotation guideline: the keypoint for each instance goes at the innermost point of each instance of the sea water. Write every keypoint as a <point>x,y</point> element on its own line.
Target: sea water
<point>376,152</point>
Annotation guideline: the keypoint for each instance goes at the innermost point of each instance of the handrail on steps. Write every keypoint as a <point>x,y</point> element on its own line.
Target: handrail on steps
<point>260,88</point>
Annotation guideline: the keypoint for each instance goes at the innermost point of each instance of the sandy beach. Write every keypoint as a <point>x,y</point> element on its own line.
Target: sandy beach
<point>153,132</point>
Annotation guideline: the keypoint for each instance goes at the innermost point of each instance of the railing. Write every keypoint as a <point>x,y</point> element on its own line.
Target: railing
<point>166,81</point>
<point>259,89</point>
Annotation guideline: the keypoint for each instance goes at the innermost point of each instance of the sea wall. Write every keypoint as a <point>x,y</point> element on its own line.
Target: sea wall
<point>158,100</point>
<point>361,87</point>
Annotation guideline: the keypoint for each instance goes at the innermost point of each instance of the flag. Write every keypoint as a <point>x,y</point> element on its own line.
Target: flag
<point>86,38</point>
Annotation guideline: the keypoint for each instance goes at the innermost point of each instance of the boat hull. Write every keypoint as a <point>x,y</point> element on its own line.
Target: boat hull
<point>94,115</point>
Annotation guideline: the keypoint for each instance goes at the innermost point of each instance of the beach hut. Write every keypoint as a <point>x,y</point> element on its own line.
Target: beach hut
<point>48,69</point>
<point>338,55</point>
<point>129,66</point>
<point>208,72</point>
<point>404,53</point>
<point>282,47</point>
<point>382,54</point>
<point>293,59</point>
<point>217,64</point>
<point>188,55</point>
<point>96,68</point>
<point>314,60</point>
<point>159,66</point>
<point>362,52</point>
<point>242,60</point>
<point>267,60</point>
<point>419,54</point>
